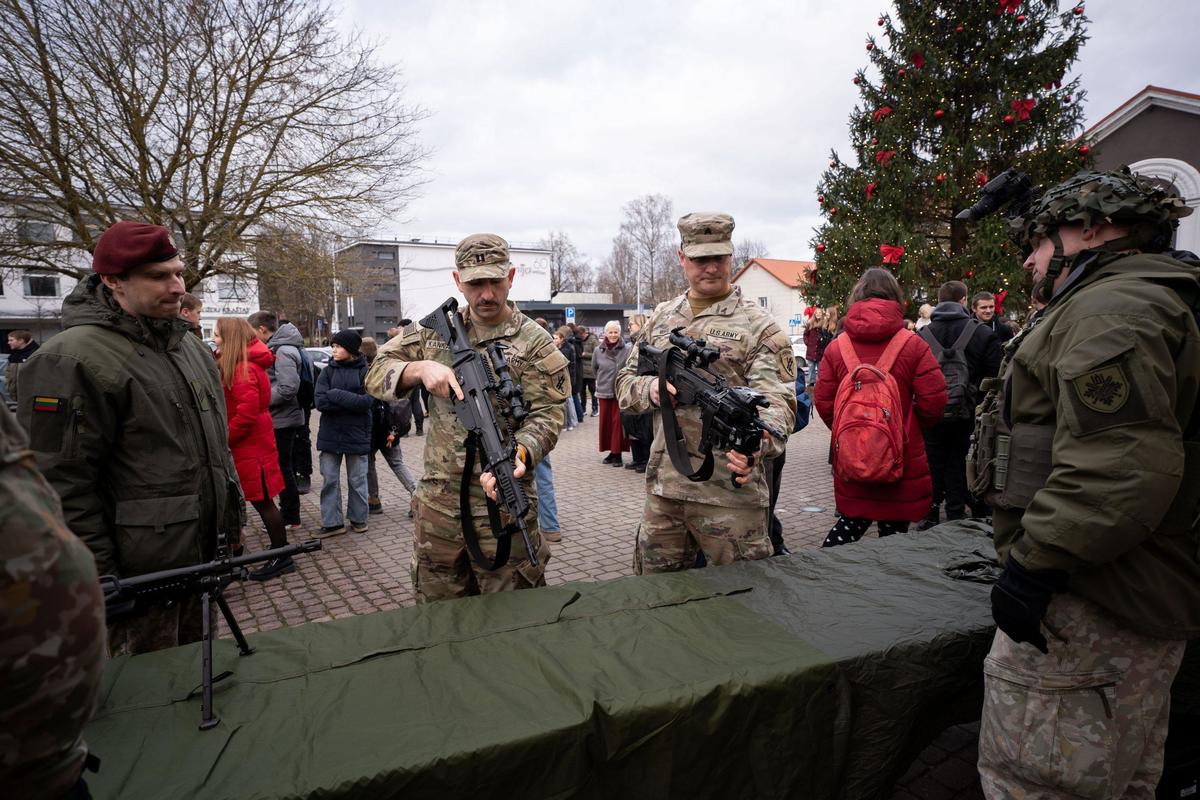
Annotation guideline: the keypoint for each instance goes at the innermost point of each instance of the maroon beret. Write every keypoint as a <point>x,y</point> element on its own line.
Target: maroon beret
<point>126,245</point>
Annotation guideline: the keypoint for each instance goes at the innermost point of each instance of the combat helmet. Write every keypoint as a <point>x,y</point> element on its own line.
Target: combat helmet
<point>1150,212</point>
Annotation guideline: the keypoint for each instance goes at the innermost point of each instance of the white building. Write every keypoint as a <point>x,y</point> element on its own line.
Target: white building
<point>225,296</point>
<point>778,286</point>
<point>413,276</point>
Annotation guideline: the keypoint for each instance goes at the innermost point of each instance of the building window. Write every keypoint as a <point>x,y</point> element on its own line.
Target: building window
<point>29,230</point>
<point>385,255</point>
<point>762,301</point>
<point>230,288</point>
<point>41,285</point>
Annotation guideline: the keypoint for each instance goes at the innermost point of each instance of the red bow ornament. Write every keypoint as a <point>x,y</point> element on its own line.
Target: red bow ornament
<point>880,113</point>
<point>884,156</point>
<point>1010,6</point>
<point>871,190</point>
<point>1000,302</point>
<point>808,312</point>
<point>1023,107</point>
<point>891,253</point>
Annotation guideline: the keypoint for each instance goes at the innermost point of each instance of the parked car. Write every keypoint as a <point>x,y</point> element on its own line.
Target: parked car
<point>320,358</point>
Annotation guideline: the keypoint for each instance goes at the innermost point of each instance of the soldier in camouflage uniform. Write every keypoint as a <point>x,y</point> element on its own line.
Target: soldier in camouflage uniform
<point>441,567</point>
<point>682,517</point>
<point>1088,448</point>
<point>51,632</point>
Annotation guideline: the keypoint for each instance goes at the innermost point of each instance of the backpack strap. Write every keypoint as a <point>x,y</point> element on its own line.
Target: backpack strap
<point>967,332</point>
<point>849,355</point>
<point>932,341</point>
<point>892,351</point>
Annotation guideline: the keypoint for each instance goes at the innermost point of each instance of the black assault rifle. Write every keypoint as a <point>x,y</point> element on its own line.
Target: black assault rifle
<point>131,597</point>
<point>728,414</point>
<point>480,379</point>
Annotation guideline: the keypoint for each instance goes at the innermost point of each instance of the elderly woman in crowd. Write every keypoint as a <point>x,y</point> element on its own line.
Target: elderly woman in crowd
<point>638,427</point>
<point>608,357</point>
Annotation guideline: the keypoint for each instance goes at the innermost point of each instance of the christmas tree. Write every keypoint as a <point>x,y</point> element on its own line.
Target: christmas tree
<point>956,92</point>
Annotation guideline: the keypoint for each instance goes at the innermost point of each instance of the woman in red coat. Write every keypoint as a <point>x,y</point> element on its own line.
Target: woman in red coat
<point>243,360</point>
<point>874,317</point>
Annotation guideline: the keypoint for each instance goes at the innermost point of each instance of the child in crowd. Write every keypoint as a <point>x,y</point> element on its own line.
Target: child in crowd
<point>345,433</point>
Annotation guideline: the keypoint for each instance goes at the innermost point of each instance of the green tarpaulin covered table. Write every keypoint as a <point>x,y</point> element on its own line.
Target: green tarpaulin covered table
<point>817,675</point>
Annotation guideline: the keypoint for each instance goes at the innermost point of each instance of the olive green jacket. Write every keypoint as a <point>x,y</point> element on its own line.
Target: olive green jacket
<point>127,419</point>
<point>1114,367</point>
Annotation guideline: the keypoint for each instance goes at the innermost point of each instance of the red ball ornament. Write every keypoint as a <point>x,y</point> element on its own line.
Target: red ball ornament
<point>939,114</point>
<point>820,247</point>
<point>857,81</point>
<point>1077,10</point>
<point>821,199</point>
<point>879,22</point>
<point>1066,98</point>
<point>971,274</point>
<point>1020,18</point>
<point>958,29</point>
<point>1084,149</point>
<point>870,46</point>
<point>901,72</point>
<point>833,212</point>
<point>940,177</point>
<point>874,140</point>
<point>1009,119</point>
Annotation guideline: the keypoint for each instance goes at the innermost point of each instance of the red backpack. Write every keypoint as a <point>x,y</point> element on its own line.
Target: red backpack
<point>868,424</point>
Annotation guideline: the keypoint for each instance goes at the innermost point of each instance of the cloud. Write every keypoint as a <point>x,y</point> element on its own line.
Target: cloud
<point>552,115</point>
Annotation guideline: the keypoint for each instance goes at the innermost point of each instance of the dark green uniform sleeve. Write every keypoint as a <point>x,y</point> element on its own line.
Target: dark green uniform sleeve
<point>1118,456</point>
<point>71,423</point>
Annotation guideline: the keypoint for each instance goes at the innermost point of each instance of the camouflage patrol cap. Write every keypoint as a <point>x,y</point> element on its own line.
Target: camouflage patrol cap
<point>1091,198</point>
<point>706,234</point>
<point>481,256</point>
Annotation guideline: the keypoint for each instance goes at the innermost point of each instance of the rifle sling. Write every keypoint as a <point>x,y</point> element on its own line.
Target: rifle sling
<point>470,537</point>
<point>676,444</point>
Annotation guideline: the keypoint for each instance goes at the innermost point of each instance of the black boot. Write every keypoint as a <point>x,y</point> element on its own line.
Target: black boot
<point>931,519</point>
<point>303,484</point>
<point>276,566</point>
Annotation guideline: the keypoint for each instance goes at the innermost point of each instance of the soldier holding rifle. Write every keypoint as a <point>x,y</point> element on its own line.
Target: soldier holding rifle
<point>727,522</point>
<point>441,565</point>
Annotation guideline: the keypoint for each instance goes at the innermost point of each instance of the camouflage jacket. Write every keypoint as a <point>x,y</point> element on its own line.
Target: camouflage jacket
<point>536,365</point>
<point>52,648</point>
<point>127,418</point>
<point>754,353</point>
<point>1103,404</point>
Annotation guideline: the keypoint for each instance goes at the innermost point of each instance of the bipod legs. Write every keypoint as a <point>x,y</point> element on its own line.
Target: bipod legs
<point>208,718</point>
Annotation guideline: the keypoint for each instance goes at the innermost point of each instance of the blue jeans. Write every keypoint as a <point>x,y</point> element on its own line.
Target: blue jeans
<point>543,475</point>
<point>331,489</point>
<point>812,372</point>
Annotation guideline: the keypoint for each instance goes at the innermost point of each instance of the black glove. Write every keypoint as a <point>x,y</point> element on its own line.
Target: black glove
<point>1020,599</point>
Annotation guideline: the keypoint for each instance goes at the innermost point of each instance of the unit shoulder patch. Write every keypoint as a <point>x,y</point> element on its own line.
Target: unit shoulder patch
<point>1104,390</point>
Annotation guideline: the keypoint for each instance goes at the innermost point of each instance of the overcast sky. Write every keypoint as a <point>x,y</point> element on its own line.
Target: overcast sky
<point>552,115</point>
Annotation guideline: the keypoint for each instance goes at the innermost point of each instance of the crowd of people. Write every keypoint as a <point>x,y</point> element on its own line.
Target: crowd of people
<point>1077,436</point>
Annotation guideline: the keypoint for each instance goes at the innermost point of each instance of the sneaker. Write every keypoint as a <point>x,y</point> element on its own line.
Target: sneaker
<point>303,484</point>
<point>611,458</point>
<point>552,536</point>
<point>358,527</point>
<point>420,431</point>
<point>276,566</point>
<point>631,465</point>
<point>293,526</point>
<point>618,463</point>
<point>595,413</point>
<point>640,469</point>
<point>331,530</point>
<point>374,506</point>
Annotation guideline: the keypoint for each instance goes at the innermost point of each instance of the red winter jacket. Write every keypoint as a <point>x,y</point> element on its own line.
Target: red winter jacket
<point>870,324</point>
<point>251,433</point>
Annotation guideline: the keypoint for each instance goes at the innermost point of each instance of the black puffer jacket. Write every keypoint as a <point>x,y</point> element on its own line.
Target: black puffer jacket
<point>345,408</point>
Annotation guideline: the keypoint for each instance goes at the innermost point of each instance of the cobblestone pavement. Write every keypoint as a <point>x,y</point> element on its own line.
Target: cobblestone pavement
<point>598,507</point>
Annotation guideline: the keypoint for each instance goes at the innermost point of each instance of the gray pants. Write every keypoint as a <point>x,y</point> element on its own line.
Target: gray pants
<point>395,460</point>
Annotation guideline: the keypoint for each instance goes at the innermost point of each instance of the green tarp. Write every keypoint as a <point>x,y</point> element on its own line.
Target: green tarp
<point>816,675</point>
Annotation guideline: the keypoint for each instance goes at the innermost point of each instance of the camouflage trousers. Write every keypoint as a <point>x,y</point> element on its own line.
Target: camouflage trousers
<point>160,628</point>
<point>443,569</point>
<point>1087,720</point>
<point>674,531</point>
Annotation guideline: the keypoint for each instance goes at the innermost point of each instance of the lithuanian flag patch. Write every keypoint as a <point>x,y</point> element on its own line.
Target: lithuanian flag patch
<point>43,403</point>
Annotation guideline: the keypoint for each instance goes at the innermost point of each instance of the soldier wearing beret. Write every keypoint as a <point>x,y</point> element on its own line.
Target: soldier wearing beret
<point>1088,448</point>
<point>682,517</point>
<point>126,416</point>
<point>441,567</point>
